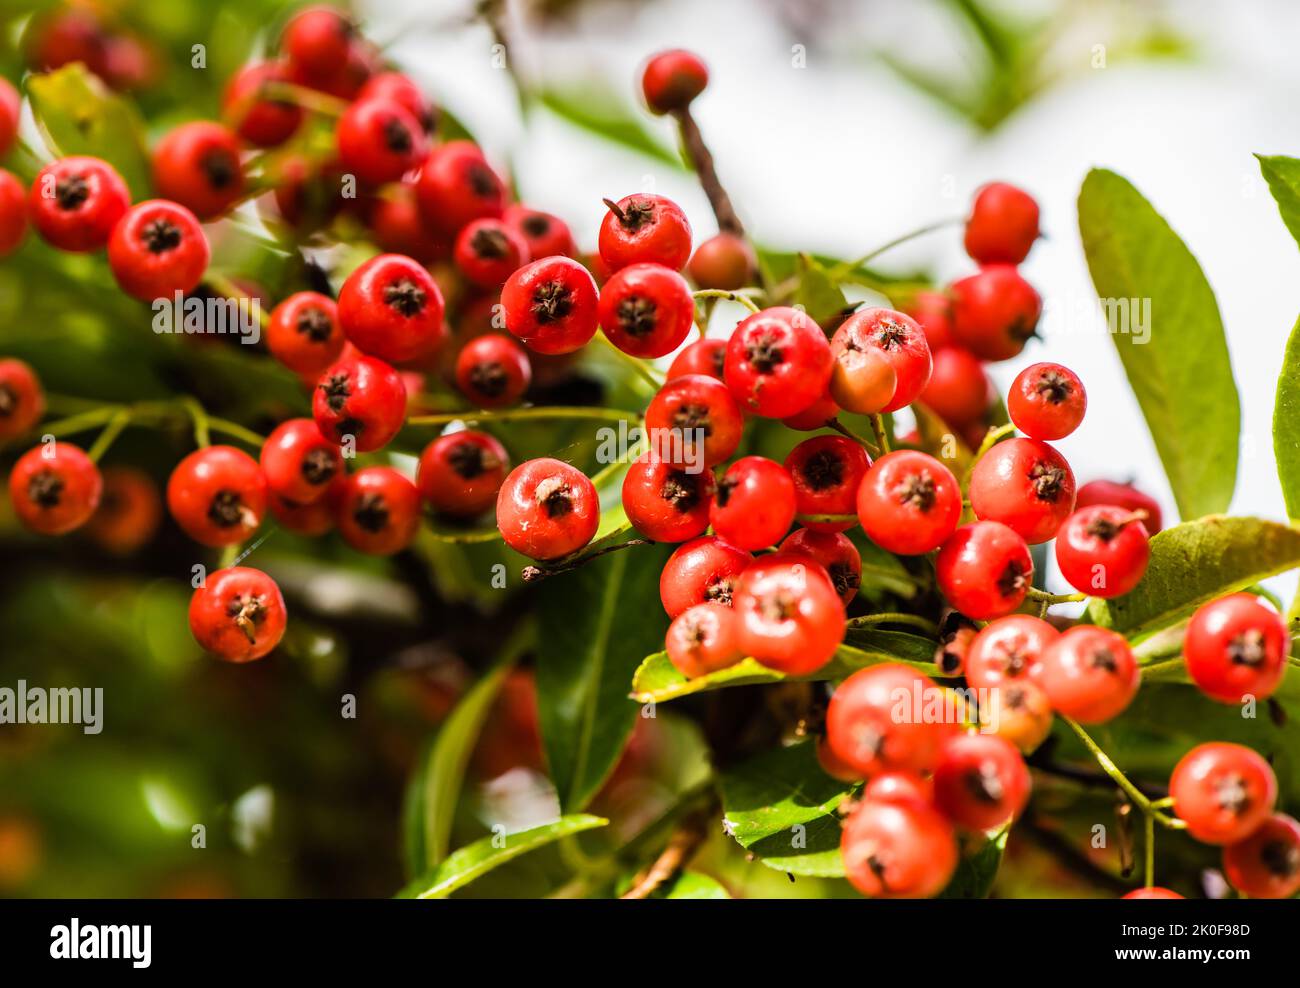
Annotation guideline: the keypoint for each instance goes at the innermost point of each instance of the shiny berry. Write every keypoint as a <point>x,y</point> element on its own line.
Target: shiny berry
<point>1025,484</point>
<point>1002,226</point>
<point>238,614</point>
<point>791,618</point>
<point>488,251</point>
<point>304,334</point>
<point>547,509</point>
<point>362,399</point>
<point>22,399</point>
<point>456,185</point>
<point>896,787</point>
<point>299,463</point>
<point>318,40</point>
<point>644,229</point>
<point>1266,865</point>
<point>1020,712</point>
<point>1047,401</point>
<point>158,249</point>
<point>312,519</point>
<point>827,472</point>
<point>461,473</point>
<point>551,305</point>
<point>909,502</point>
<point>994,312</point>
<point>900,849</point>
<point>76,202</point>
<point>13,213</point>
<point>390,307</point>
<point>865,730</point>
<point>703,639</point>
<point>959,389</point>
<point>544,233</point>
<point>981,781</point>
<point>129,511</point>
<point>778,362</point>
<point>54,488</point>
<point>724,263</point>
<point>646,310</point>
<point>837,769</point>
<point>402,90</point>
<point>493,371</point>
<point>702,571</point>
<point>379,141</point>
<point>933,313</point>
<point>984,570</point>
<point>1089,674</point>
<point>694,421</point>
<point>700,357</point>
<point>898,339</point>
<point>1123,496</point>
<point>1236,647</point>
<point>10,108</point>
<point>754,504</point>
<point>1103,550</point>
<point>257,117</point>
<point>1152,892</point>
<point>862,381</point>
<point>672,79</point>
<point>377,511</point>
<point>667,503</point>
<point>197,165</point>
<point>217,495</point>
<point>1222,791</point>
<point>1007,649</point>
<point>834,553</point>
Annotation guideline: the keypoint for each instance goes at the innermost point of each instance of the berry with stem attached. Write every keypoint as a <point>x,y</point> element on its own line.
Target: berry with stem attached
<point>551,305</point>
<point>1089,674</point>
<point>362,400</point>
<point>158,249</point>
<point>54,488</point>
<point>791,618</point>
<point>1222,791</point>
<point>1236,647</point>
<point>1103,550</point>
<point>778,362</point>
<point>672,79</point>
<point>724,262</point>
<point>667,503</point>
<point>547,509</point>
<point>702,571</point>
<point>703,639</point>
<point>754,504</point>
<point>646,310</point>
<point>1123,496</point>
<point>238,614</point>
<point>390,307</point>
<point>644,228</point>
<point>984,570</point>
<point>1026,485</point>
<point>217,495</point>
<point>827,473</point>
<point>75,203</point>
<point>909,502</point>
<point>1047,401</point>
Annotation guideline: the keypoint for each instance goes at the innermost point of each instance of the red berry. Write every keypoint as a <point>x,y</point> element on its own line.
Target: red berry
<point>815,416</point>
<point>666,503</point>
<point>933,313</point>
<point>984,570</point>
<point>837,769</point>
<point>862,381</point>
<point>1222,791</point>
<point>456,185</point>
<point>1266,865</point>
<point>1007,649</point>
<point>694,421</point>
<point>827,473</point>
<point>898,339</point>
<point>377,511</point>
<point>13,213</point>
<point>493,371</point>
<point>981,781</point>
<point>217,495</point>
<point>1236,647</point>
<point>379,140</point>
<point>702,571</point>
<point>644,229</point>
<point>402,90</point>
<point>724,262</point>
<point>755,503</point>
<point>303,333</point>
<point>262,120</point>
<point>397,227</point>
<point>308,196</point>
<point>129,511</point>
<point>158,249</point>
<point>897,787</point>
<point>547,509</point>
<point>22,399</point>
<point>1026,485</point>
<point>1047,401</point>
<point>197,165</point>
<point>390,307</point>
<point>958,391</point>
<point>488,252</point>
<point>544,233</point>
<point>299,463</point>
<point>994,312</point>
<point>10,110</point>
<point>461,473</point>
<point>834,553</point>
<point>1088,674</point>
<point>672,79</point>
<point>54,488</point>
<point>791,618</point>
<point>361,398</point>
<point>866,731</point>
<point>75,202</point>
<point>1103,550</point>
<point>898,850</point>
<point>909,502</point>
<point>704,639</point>
<point>778,362</point>
<point>1020,712</point>
<point>1152,892</point>
<point>646,310</point>
<point>701,357</point>
<point>1002,226</point>
<point>551,305</point>
<point>312,519</point>
<point>1123,496</point>
<point>238,614</point>
<point>318,40</point>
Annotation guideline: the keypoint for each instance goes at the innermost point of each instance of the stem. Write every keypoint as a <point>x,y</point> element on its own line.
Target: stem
<point>308,99</point>
<point>844,430</point>
<point>990,438</point>
<point>1149,870</point>
<point>120,420</point>
<point>882,436</point>
<point>199,415</point>
<point>894,617</point>
<point>683,844</point>
<point>531,574</point>
<point>826,519</point>
<point>514,414</point>
<point>1140,799</point>
<point>226,288</point>
<point>702,160</point>
<point>744,300</point>
<point>1033,593</point>
<point>841,271</point>
<point>80,422</point>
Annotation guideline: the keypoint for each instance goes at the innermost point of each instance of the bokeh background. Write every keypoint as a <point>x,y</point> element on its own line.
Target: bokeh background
<point>836,126</point>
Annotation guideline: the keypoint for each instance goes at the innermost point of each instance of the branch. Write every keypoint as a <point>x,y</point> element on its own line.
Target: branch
<point>683,844</point>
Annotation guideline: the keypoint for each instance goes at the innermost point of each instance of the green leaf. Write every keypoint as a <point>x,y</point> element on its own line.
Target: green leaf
<point>1177,360</point>
<point>977,869</point>
<point>780,806</point>
<point>657,679</point>
<point>1195,562</point>
<point>1286,425</point>
<point>596,623</point>
<point>1283,177</point>
<point>474,860</point>
<point>79,115</point>
<point>607,118</point>
<point>692,885</point>
<point>820,297</point>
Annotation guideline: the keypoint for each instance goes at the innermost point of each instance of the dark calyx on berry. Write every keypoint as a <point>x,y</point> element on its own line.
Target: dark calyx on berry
<point>555,496</point>
<point>681,490</point>
<point>160,236</point>
<point>984,784</point>
<point>536,225</point>
<point>1014,662</point>
<point>45,489</point>
<point>891,334</point>
<point>779,606</point>
<point>481,181</point>
<point>843,578</point>
<point>371,512</point>
<point>489,378</point>
<point>338,389</point>
<point>719,592</point>
<point>491,244</point>
<point>1103,658</point>
<point>71,191</point>
<point>471,460</point>
<point>8,400</point>
<point>823,470</point>
<point>318,467</point>
<point>396,137</point>
<point>764,353</point>
<point>1054,387</point>
<point>226,509</point>
<point>218,169</point>
<point>1248,648</point>
<point>636,214</point>
<point>636,315</point>
<point>248,610</point>
<point>1280,857</point>
<point>1231,795</point>
<point>552,301</point>
<point>692,418</point>
<point>405,296</point>
<point>314,324</point>
<point>1012,579</point>
<point>917,490</point>
<point>725,486</point>
<point>1046,481</point>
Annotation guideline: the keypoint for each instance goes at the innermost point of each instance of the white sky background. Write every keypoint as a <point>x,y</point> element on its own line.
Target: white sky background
<point>840,156</point>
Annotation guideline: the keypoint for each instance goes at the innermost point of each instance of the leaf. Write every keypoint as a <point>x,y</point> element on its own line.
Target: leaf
<point>607,118</point>
<point>1177,360</point>
<point>596,623</point>
<point>1286,425</point>
<point>1283,177</point>
<point>780,806</point>
<point>820,297</point>
<point>79,115</point>
<point>977,869</point>
<point>1195,562</point>
<point>692,885</point>
<point>480,857</point>
<point>657,679</point>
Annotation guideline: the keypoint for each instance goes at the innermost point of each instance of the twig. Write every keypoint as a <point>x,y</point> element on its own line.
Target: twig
<point>683,844</point>
<point>702,160</point>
